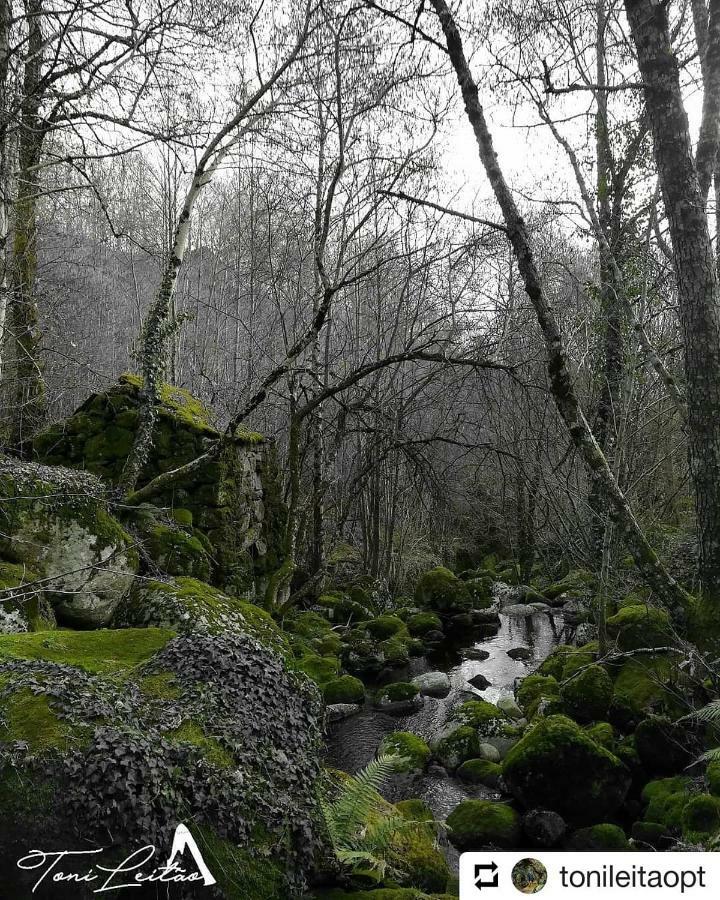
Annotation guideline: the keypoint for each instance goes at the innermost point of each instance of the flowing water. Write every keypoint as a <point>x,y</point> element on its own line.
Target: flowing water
<point>353,742</point>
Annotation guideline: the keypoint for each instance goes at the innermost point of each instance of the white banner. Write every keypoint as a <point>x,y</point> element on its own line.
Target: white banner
<point>603,876</point>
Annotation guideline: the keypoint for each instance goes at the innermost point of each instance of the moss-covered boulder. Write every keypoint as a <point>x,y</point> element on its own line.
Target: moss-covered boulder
<point>662,745</point>
<point>109,738</point>
<point>399,698</point>
<point>407,745</point>
<point>558,766</point>
<point>385,627</point>
<point>587,696</point>
<point>638,626</point>
<point>475,824</point>
<point>177,551</point>
<point>578,583</point>
<point>603,837</point>
<point>535,689</point>
<point>455,745</point>
<point>186,605</point>
<point>665,799</point>
<point>484,717</point>
<point>419,624</point>
<point>653,683</point>
<point>701,819</point>
<point>56,523</point>
<point>443,592</point>
<point>233,498</point>
<point>345,689</point>
<point>480,771</point>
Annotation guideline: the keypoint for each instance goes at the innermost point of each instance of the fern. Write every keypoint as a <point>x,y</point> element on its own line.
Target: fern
<point>358,823</point>
<point>709,713</point>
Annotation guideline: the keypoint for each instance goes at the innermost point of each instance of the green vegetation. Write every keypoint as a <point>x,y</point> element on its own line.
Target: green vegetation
<point>407,745</point>
<point>586,697</point>
<point>475,824</point>
<point>441,591</point>
<point>345,689</point>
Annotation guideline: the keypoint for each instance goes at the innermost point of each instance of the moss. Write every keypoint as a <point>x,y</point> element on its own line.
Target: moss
<point>480,590</point>
<point>665,800</point>
<point>602,733</point>
<point>604,837</point>
<point>648,683</point>
<point>102,651</point>
<point>475,824</point>
<point>587,696</point>
<point>395,650</point>
<point>712,777</point>
<point>419,624</point>
<point>415,810</point>
<point>407,745</point>
<point>457,746</point>
<point>578,658</point>
<point>177,552</point>
<point>345,689</point>
<point>320,669</point>
<point>638,626</point>
<point>558,766</point>
<point>240,875</point>
<point>385,626</point>
<point>309,625</point>
<point>183,517</point>
<point>478,714</point>
<point>328,645</point>
<point>662,745</point>
<point>443,592</point>
<point>553,664</point>
<point>652,833</point>
<point>161,687</point>
<point>701,818</point>
<point>480,771</point>
<point>186,408</point>
<point>28,717</point>
<point>191,733</point>
<point>535,688</point>
<point>398,691</point>
<point>417,856</point>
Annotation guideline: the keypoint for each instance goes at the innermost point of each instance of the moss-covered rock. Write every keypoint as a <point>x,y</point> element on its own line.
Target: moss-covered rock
<point>484,717</point>
<point>534,689</point>
<point>556,765</point>
<point>638,626</point>
<point>419,624</point>
<point>649,834</point>
<point>234,498</point>
<point>701,818</point>
<point>712,777</point>
<point>665,799</point>
<point>456,745</point>
<point>577,583</point>
<point>652,683</point>
<point>407,745</point>
<point>400,697</point>
<point>109,738</point>
<point>345,689</point>
<point>604,837</point>
<point>23,606</point>
<point>56,523</point>
<point>587,696</point>
<point>441,591</point>
<point>480,771</point>
<point>384,627</point>
<point>480,590</point>
<point>177,552</point>
<point>602,733</point>
<point>475,824</point>
<point>662,745</point>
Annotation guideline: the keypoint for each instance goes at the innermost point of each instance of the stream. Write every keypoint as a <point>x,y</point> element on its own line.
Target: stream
<point>353,742</point>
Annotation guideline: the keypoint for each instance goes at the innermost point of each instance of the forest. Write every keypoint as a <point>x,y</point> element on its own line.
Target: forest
<point>359,441</point>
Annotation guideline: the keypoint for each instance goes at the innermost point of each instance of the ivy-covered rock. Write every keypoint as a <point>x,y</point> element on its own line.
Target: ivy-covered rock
<point>186,605</point>
<point>110,738</point>
<point>475,824</point>
<point>233,498</point>
<point>443,592</point>
<point>587,696</point>
<point>407,745</point>
<point>638,626</point>
<point>56,523</point>
<point>556,765</point>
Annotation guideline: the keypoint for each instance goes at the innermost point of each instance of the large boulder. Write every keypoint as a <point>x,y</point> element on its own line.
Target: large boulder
<point>556,765</point>
<point>475,824</point>
<point>56,523</point>
<point>640,625</point>
<point>444,593</point>
<point>587,696</point>
<point>232,501</point>
<point>110,738</point>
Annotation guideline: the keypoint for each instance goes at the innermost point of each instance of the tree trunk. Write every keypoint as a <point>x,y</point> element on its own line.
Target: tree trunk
<point>560,380</point>
<point>695,269</point>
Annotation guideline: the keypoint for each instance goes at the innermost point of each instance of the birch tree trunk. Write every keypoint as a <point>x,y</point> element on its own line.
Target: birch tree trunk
<point>695,269</point>
<point>561,383</point>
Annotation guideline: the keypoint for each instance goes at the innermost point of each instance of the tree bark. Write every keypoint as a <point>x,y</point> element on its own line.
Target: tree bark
<point>695,270</point>
<point>560,380</point>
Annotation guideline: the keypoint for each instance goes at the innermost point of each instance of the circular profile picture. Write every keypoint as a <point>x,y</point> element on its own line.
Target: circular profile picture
<point>529,876</point>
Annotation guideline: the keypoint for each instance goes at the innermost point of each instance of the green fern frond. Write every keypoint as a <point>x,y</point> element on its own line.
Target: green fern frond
<point>709,713</point>
<point>711,755</point>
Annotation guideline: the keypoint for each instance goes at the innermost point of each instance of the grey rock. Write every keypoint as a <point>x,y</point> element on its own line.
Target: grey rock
<point>543,827</point>
<point>338,711</point>
<point>432,684</point>
<point>476,653</point>
<point>489,752</point>
<point>509,706</point>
